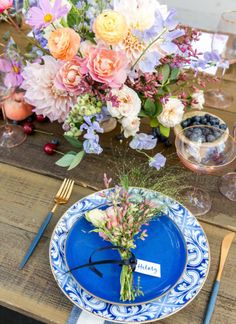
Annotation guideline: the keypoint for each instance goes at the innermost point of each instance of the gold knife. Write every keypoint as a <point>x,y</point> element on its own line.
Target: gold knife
<point>225,246</point>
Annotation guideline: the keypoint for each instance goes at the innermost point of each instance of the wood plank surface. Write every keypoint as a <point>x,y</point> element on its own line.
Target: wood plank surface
<point>25,198</point>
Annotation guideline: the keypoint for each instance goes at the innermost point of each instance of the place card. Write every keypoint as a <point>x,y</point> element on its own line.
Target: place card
<point>148,268</point>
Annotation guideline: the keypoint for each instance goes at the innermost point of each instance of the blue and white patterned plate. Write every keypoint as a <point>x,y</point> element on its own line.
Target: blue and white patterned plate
<point>185,290</point>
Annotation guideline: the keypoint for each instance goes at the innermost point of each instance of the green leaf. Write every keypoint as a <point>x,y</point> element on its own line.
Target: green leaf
<point>154,122</point>
<point>125,182</point>
<point>73,141</point>
<point>150,107</point>
<point>76,161</point>
<point>66,160</point>
<point>26,5</point>
<point>73,17</point>
<point>142,114</point>
<point>159,107</point>
<point>165,71</point>
<point>174,74</point>
<point>165,130</point>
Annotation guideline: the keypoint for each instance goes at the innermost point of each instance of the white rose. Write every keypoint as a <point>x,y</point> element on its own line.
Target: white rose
<point>97,217</point>
<point>129,103</point>
<point>172,113</point>
<point>130,126</point>
<point>199,97</point>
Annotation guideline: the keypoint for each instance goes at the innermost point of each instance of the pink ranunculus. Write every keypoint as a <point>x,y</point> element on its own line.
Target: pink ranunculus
<point>69,76</point>
<point>108,66</point>
<point>112,217</point>
<point>5,4</point>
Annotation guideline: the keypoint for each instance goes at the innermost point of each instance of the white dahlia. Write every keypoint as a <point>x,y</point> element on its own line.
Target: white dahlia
<point>41,91</point>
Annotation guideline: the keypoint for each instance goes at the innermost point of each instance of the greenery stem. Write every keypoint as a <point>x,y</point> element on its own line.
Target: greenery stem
<point>143,153</point>
<point>150,45</point>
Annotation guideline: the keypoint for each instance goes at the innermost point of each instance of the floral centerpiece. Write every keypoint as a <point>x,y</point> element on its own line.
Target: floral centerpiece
<point>93,60</point>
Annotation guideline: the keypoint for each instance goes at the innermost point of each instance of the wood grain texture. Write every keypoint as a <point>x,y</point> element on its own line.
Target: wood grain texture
<point>25,198</point>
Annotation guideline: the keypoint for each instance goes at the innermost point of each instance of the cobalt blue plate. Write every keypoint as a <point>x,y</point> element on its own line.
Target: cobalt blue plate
<point>183,293</point>
<point>164,245</point>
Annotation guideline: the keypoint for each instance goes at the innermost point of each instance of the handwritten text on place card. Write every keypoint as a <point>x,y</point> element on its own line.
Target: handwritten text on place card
<point>148,268</point>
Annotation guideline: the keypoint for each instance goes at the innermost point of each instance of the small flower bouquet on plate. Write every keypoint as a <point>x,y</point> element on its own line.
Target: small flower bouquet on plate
<point>121,224</point>
<point>94,60</point>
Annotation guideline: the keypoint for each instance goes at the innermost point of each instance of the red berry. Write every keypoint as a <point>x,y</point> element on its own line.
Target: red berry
<point>28,128</point>
<point>40,118</point>
<point>49,148</point>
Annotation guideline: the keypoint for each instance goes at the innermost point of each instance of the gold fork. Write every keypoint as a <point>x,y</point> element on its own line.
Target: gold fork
<point>61,197</point>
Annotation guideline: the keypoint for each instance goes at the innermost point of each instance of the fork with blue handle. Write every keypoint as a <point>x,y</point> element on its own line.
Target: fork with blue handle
<point>62,197</point>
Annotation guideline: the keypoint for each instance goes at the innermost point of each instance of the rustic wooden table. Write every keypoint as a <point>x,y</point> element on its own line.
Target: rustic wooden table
<point>29,180</point>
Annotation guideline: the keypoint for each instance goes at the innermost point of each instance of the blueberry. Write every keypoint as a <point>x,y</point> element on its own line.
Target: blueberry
<point>30,119</point>
<point>197,131</point>
<point>194,137</point>
<point>188,133</point>
<point>207,116</point>
<point>216,133</point>
<point>203,121</point>
<point>14,122</point>
<point>184,124</point>
<point>195,119</point>
<point>217,121</point>
<point>196,123</point>
<point>210,138</point>
<point>153,133</point>
<point>167,143</point>
<point>162,138</point>
<point>223,126</point>
<point>208,124</point>
<point>120,137</point>
<point>55,141</point>
<point>188,121</point>
<point>203,139</point>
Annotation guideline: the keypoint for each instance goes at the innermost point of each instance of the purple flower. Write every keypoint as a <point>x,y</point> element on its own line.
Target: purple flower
<point>45,13</point>
<point>91,126</point>
<point>168,45</point>
<point>160,23</point>
<point>12,70</point>
<point>158,161</point>
<point>39,37</point>
<point>143,142</point>
<point>214,57</point>
<point>149,62</point>
<point>91,145</point>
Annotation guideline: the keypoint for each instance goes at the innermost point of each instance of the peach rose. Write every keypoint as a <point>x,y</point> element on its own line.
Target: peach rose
<point>85,48</point>
<point>64,43</point>
<point>108,66</point>
<point>111,27</point>
<point>5,4</point>
<point>69,76</point>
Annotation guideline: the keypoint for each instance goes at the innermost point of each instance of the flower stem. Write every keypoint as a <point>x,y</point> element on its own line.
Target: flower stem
<point>147,48</point>
<point>143,153</point>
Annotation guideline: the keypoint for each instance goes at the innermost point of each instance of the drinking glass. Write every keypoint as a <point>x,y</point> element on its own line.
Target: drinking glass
<point>204,150</point>
<point>228,181</point>
<point>10,135</point>
<point>218,98</point>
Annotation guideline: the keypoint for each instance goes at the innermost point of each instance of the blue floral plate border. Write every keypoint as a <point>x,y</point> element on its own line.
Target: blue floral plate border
<point>183,293</point>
